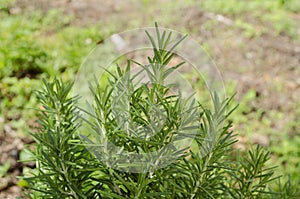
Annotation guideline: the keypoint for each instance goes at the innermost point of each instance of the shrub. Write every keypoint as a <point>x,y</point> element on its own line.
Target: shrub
<point>70,164</point>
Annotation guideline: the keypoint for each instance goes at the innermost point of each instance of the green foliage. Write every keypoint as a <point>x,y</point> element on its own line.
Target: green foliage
<point>66,169</point>
<point>292,5</point>
<point>16,102</point>
<point>4,4</point>
<point>255,17</point>
<point>63,167</point>
<point>4,168</point>
<point>19,58</point>
<point>283,146</point>
<point>251,177</point>
<point>36,45</point>
<point>20,52</point>
<point>43,44</point>
<point>285,190</point>
<point>288,153</point>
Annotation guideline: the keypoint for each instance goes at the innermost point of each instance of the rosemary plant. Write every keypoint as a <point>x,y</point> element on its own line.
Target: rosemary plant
<point>73,164</point>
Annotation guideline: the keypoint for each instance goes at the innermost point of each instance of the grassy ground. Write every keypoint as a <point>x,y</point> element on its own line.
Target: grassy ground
<point>255,45</point>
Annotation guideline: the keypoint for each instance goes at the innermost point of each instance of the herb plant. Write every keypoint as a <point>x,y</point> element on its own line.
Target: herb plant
<point>69,164</point>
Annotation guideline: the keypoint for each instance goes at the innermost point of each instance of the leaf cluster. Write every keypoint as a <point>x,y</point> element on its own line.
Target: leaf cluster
<point>131,121</point>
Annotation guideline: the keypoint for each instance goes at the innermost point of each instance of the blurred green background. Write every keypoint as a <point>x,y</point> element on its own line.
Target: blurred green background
<point>254,43</point>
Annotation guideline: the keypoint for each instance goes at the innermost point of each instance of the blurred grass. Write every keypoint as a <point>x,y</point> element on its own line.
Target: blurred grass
<point>37,45</point>
<point>270,14</point>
